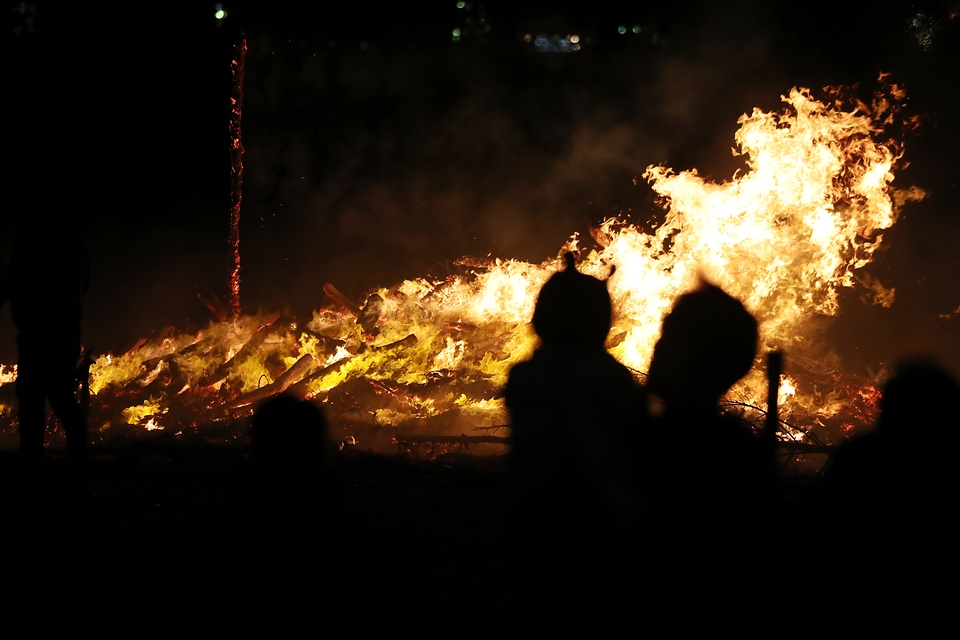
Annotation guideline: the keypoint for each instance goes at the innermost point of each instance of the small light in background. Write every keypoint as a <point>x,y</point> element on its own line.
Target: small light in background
<point>574,39</point>
<point>636,28</point>
<point>461,4</point>
<point>923,28</point>
<point>528,38</point>
<point>621,29</point>
<point>219,12</point>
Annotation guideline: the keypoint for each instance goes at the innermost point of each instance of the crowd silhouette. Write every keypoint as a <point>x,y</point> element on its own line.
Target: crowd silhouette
<point>605,494</point>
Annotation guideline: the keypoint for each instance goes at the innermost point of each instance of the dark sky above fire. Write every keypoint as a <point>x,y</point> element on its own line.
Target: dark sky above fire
<point>385,139</point>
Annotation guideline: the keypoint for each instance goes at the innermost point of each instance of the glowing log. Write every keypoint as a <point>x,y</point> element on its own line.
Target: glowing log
<point>293,375</point>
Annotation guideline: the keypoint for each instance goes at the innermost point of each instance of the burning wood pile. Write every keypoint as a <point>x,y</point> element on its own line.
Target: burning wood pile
<point>429,355</point>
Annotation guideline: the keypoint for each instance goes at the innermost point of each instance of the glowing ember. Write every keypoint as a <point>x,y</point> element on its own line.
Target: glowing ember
<point>431,355</point>
<point>8,374</point>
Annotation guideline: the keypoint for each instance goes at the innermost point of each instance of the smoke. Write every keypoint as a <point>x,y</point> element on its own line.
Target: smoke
<point>366,165</point>
<point>875,292</point>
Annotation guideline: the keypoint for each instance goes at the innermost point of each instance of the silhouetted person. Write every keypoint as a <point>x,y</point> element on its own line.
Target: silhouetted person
<point>48,275</point>
<point>892,495</point>
<point>283,553</point>
<point>711,479</point>
<point>575,414</point>
<point>288,510</point>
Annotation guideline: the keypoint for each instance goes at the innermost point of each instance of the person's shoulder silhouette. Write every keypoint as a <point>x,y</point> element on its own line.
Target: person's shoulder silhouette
<point>572,389</point>
<point>891,494</point>
<point>575,417</point>
<point>909,458</point>
<point>707,343</point>
<point>712,479</point>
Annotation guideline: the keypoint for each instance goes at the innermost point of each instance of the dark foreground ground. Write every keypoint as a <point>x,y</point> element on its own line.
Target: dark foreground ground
<point>154,537</point>
<point>407,539</point>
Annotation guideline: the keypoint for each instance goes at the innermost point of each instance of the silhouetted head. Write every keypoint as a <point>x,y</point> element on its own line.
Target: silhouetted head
<point>573,309</point>
<point>289,435</point>
<point>707,343</point>
<point>921,399</point>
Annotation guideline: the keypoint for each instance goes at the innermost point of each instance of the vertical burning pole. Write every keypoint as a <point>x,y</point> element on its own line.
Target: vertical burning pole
<point>236,172</point>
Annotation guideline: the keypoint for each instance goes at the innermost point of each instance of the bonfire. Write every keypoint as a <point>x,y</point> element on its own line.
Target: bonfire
<point>425,360</point>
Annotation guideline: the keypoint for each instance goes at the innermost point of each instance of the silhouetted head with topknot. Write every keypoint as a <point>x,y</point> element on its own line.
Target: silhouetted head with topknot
<point>707,343</point>
<point>573,309</point>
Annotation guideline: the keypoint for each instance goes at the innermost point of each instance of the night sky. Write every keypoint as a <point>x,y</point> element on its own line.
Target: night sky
<point>379,148</point>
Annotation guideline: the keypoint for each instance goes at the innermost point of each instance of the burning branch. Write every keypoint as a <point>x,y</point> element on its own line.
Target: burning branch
<point>345,303</point>
<point>290,377</point>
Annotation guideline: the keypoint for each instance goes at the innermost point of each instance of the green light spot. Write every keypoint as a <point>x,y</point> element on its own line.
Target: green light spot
<point>636,28</point>
<point>220,14</point>
<point>456,33</point>
<point>621,29</point>
<point>461,4</point>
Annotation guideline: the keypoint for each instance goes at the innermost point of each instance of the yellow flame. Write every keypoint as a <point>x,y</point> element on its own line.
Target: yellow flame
<point>143,414</point>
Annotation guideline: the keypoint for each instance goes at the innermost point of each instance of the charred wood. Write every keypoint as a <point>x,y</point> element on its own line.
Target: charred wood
<point>213,302</point>
<point>409,341</point>
<point>345,303</point>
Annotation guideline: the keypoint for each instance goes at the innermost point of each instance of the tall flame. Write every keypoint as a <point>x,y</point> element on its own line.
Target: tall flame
<point>782,237</point>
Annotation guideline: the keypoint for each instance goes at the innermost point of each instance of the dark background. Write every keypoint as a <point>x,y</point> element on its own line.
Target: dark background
<point>378,148</point>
